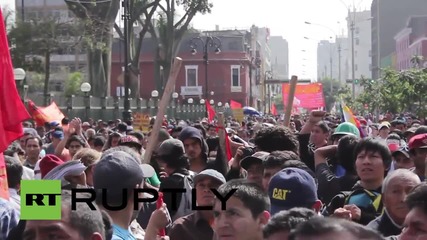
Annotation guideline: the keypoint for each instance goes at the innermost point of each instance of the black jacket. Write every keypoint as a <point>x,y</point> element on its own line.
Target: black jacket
<point>384,225</point>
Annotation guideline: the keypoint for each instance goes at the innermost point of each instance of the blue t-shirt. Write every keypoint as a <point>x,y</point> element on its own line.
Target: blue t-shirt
<point>120,233</point>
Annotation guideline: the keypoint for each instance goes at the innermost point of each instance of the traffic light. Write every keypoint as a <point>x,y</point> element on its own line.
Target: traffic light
<point>356,81</point>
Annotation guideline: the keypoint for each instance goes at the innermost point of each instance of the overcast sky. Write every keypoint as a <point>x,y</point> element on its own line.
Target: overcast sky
<point>284,18</point>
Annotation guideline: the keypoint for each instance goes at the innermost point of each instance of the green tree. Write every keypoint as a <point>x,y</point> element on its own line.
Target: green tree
<point>169,31</point>
<point>330,96</point>
<point>34,41</point>
<point>98,18</point>
<point>72,84</point>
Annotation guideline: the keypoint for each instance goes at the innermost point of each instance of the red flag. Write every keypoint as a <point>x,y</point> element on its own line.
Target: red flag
<point>211,112</point>
<point>12,110</point>
<point>273,109</point>
<point>235,105</point>
<point>45,114</point>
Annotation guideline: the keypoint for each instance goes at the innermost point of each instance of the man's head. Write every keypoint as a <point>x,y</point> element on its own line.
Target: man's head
<point>293,187</point>
<point>82,223</point>
<point>402,158</point>
<point>254,166</point>
<point>14,172</point>
<point>74,144</point>
<point>320,228</point>
<point>384,130</point>
<point>205,181</point>
<point>319,133</point>
<point>274,163</point>
<point>396,187</point>
<point>33,146</point>
<point>171,156</point>
<point>276,138</point>
<point>193,142</point>
<point>418,150</point>
<point>246,211</point>
<point>415,226</point>
<point>373,160</point>
<point>57,136</point>
<point>282,223</point>
<point>89,157</point>
<point>118,165</point>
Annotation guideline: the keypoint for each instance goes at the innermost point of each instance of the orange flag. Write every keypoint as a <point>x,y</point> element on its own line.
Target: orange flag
<point>12,110</point>
<point>45,114</point>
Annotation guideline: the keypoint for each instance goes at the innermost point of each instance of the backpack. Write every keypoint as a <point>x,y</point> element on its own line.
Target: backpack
<point>343,198</point>
<point>185,206</point>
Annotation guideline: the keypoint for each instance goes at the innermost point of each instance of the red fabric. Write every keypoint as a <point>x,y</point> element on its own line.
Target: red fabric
<point>273,109</point>
<point>42,115</point>
<point>49,162</point>
<point>235,105</point>
<point>227,144</point>
<point>12,110</point>
<point>211,112</point>
<point>4,189</point>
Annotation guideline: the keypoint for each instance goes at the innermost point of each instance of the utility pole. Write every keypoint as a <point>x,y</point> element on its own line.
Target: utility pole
<point>22,11</point>
<point>353,77</point>
<point>127,114</point>
<point>339,62</point>
<point>332,88</point>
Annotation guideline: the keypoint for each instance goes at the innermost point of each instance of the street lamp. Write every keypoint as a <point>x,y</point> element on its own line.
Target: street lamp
<point>85,88</point>
<point>219,104</point>
<point>126,16</point>
<point>211,102</point>
<point>226,105</point>
<point>190,101</point>
<point>175,98</point>
<point>209,43</point>
<point>202,101</point>
<point>19,75</point>
<point>155,95</point>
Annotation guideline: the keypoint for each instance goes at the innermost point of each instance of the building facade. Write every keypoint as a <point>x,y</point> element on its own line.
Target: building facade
<point>71,59</point>
<point>362,44</point>
<point>279,57</point>
<point>388,18</point>
<point>228,72</point>
<point>327,60</point>
<point>411,41</point>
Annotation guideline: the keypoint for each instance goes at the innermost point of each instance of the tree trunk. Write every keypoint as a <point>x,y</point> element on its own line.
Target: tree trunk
<point>99,67</point>
<point>46,77</point>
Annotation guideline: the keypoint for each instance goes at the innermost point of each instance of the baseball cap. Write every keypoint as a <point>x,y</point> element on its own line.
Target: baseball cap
<point>402,150</point>
<point>170,147</point>
<point>291,187</point>
<point>54,123</point>
<point>70,168</point>
<point>58,134</point>
<point>258,157</point>
<point>411,130</point>
<point>49,162</point>
<point>210,173</point>
<point>130,140</point>
<point>383,125</point>
<point>418,141</point>
<point>117,165</point>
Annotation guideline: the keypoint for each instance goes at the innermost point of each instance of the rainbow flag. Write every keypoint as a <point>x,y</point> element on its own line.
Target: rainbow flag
<point>348,116</point>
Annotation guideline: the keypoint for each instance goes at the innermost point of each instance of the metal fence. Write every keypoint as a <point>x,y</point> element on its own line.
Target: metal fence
<point>109,108</point>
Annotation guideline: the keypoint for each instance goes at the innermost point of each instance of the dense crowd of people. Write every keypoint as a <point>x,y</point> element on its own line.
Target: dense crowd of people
<point>318,178</point>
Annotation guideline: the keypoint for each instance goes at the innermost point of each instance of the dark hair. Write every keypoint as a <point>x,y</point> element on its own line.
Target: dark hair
<point>83,219</point>
<point>138,135</point>
<point>175,161</point>
<point>122,127</point>
<point>201,128</point>
<point>374,145</point>
<point>278,158</point>
<point>301,165</point>
<point>420,130</point>
<point>39,140</point>
<point>65,121</point>
<point>14,170</point>
<point>99,141</point>
<point>277,138</point>
<point>417,198</point>
<point>135,155</point>
<point>177,129</point>
<point>346,145</point>
<point>323,225</point>
<point>75,138</point>
<point>322,125</point>
<point>252,196</point>
<point>287,220</point>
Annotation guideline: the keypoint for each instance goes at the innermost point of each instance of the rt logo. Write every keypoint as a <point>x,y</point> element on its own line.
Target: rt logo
<point>40,200</point>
